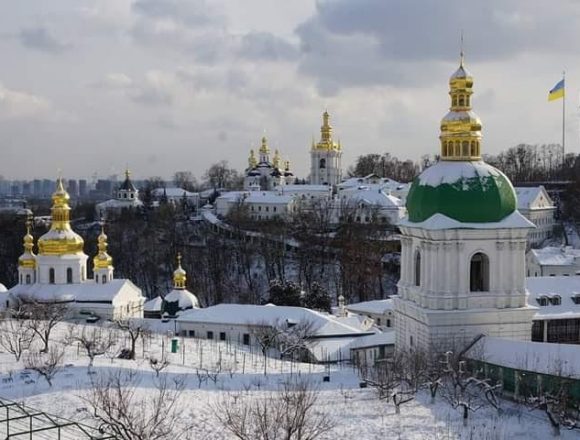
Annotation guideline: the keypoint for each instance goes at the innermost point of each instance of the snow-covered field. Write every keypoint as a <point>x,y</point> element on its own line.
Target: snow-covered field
<point>356,412</point>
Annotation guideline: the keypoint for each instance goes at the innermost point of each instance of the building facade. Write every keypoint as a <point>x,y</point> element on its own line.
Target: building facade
<point>535,204</point>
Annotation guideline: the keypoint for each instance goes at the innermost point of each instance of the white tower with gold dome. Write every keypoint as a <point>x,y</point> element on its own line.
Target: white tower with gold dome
<point>60,258</point>
<point>325,157</point>
<point>179,299</point>
<point>102,262</point>
<point>27,261</point>
<point>463,243</point>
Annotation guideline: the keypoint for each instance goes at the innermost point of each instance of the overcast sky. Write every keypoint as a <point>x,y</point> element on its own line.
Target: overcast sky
<point>89,86</point>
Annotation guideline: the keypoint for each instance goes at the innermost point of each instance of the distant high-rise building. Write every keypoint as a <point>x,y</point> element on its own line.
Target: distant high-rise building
<point>73,187</point>
<point>37,187</point>
<point>83,190</point>
<point>26,188</point>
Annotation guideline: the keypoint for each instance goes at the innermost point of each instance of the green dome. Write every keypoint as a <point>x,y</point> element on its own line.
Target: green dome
<point>469,192</point>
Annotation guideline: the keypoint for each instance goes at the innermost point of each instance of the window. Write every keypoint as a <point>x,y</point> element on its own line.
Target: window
<point>191,333</point>
<point>51,275</point>
<point>222,336</point>
<point>479,273</point>
<point>556,300</point>
<point>542,300</point>
<point>418,269</point>
<point>104,279</point>
<point>27,279</point>
<point>411,340</point>
<point>69,276</point>
<point>322,163</point>
<point>246,339</point>
<point>209,335</point>
<point>388,322</point>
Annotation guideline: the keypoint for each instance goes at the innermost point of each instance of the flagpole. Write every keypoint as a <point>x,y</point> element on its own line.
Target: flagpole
<point>564,118</point>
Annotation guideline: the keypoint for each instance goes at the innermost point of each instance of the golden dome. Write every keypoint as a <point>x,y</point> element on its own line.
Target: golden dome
<point>28,259</point>
<point>102,260</point>
<point>326,143</point>
<point>461,127</point>
<point>252,161</point>
<point>179,275</point>
<point>264,149</point>
<point>60,239</point>
<point>277,159</point>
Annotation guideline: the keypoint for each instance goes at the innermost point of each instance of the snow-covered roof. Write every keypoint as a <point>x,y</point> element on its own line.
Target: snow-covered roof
<point>3,288</point>
<point>372,195</point>
<point>556,256</point>
<point>564,287</point>
<point>245,314</point>
<point>538,357</point>
<point>305,188</point>
<point>184,298</point>
<point>451,171</point>
<point>381,338</point>
<point>359,322</point>
<point>268,197</point>
<point>173,192</point>
<point>153,305</point>
<point>377,307</point>
<point>439,221</point>
<point>119,203</point>
<point>534,197</point>
<point>233,196</point>
<point>88,291</point>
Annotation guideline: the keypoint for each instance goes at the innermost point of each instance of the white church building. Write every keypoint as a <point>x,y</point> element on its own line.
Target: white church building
<point>463,243</point>
<point>58,274</point>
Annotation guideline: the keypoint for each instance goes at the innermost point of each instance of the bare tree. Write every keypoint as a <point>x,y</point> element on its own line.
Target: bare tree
<point>16,337</point>
<point>134,330</point>
<point>118,408</point>
<point>96,341</point>
<point>46,364</point>
<point>158,365</point>
<point>288,338</point>
<point>43,318</point>
<point>289,414</point>
<point>463,390</point>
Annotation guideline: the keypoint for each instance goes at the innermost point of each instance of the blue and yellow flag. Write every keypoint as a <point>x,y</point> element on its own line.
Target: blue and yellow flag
<point>557,91</point>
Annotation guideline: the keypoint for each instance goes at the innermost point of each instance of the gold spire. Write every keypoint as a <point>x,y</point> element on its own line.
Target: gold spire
<point>61,239</point>
<point>264,149</point>
<point>102,260</point>
<point>326,142</point>
<point>277,159</point>
<point>179,275</point>
<point>252,161</point>
<point>461,128</point>
<point>28,259</point>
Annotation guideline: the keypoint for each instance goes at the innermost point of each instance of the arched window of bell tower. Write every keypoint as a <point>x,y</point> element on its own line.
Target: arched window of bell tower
<point>418,269</point>
<point>51,275</point>
<point>69,275</point>
<point>479,273</point>
<point>461,101</point>
<point>322,163</point>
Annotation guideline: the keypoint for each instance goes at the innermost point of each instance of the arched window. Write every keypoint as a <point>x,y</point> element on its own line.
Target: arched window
<point>104,278</point>
<point>69,276</point>
<point>51,275</point>
<point>418,269</point>
<point>465,148</point>
<point>461,101</point>
<point>479,273</point>
<point>27,278</point>
<point>473,151</point>
<point>322,163</point>
<point>454,103</point>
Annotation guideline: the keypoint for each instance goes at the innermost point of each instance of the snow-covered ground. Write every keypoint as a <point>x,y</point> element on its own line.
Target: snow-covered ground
<point>356,412</point>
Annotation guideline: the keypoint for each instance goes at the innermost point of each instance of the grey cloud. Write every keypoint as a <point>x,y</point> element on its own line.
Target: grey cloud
<point>367,42</point>
<point>40,38</point>
<point>191,12</point>
<point>267,47</point>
